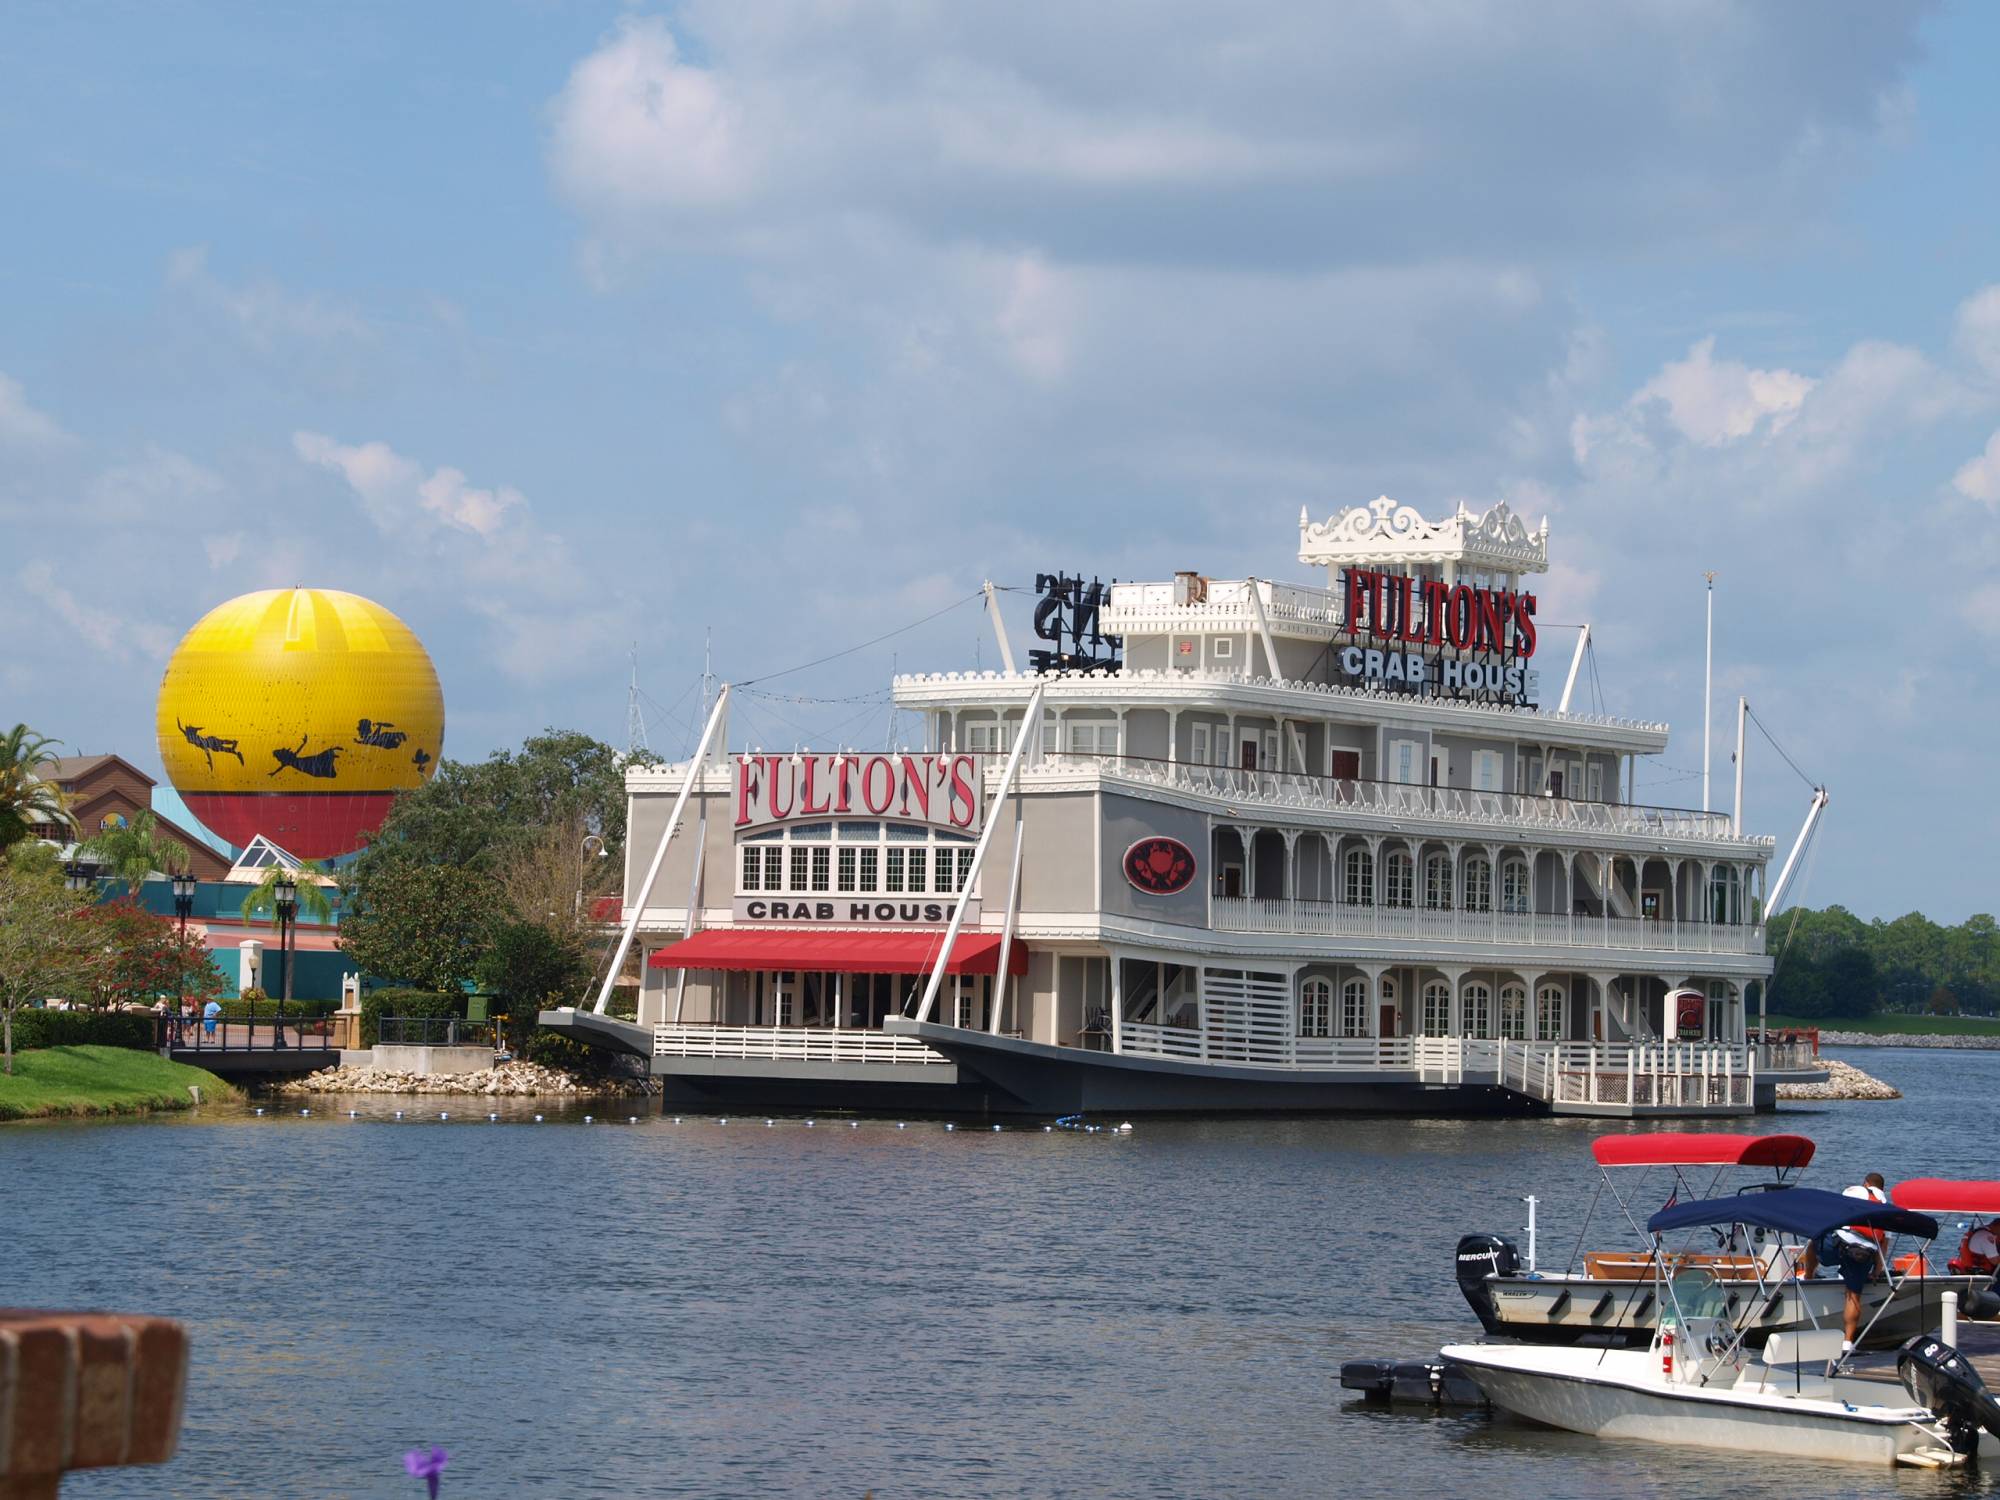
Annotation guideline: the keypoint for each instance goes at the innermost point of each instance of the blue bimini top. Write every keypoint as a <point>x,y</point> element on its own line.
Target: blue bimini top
<point>1805,1212</point>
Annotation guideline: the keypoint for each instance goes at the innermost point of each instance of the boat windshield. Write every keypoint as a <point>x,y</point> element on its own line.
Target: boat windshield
<point>1698,1295</point>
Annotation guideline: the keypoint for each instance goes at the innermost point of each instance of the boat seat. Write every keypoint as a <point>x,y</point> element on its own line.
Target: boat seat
<point>1807,1346</point>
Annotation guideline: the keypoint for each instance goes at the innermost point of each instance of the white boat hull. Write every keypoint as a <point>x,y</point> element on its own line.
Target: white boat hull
<point>1620,1395</point>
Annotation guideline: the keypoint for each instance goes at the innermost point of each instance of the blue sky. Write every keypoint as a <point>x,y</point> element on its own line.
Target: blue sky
<point>560,328</point>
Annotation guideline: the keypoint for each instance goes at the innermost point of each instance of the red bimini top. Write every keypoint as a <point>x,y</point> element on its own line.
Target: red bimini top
<point>1701,1149</point>
<point>1947,1195</point>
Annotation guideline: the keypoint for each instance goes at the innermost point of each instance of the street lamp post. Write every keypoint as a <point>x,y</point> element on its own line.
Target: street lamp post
<point>75,878</point>
<point>286,895</point>
<point>183,908</point>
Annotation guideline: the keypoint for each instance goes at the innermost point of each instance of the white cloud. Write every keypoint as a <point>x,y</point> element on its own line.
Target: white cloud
<point>223,550</point>
<point>1976,329</point>
<point>160,483</point>
<point>1714,402</point>
<point>93,621</point>
<point>1979,478</point>
<point>21,425</point>
<point>636,127</point>
<point>262,312</point>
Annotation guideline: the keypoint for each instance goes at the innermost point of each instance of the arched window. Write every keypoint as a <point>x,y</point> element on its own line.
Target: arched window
<point>1437,882</point>
<point>1354,1008</point>
<point>1397,880</point>
<point>1476,1011</point>
<point>1549,1006</point>
<point>1513,1012</point>
<point>1360,885</point>
<point>1437,1009</point>
<point>1478,884</point>
<point>1315,1007</point>
<point>1516,893</point>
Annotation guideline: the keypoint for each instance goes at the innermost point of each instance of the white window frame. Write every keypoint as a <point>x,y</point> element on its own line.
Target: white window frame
<point>1222,648</point>
<point>1551,1009</point>
<point>1517,872</point>
<point>1437,891</point>
<point>1475,1004</point>
<point>1513,1012</point>
<point>1198,751</point>
<point>1404,758</point>
<point>1478,883</point>
<point>1399,879</point>
<point>1486,768</point>
<point>1436,1017</point>
<point>1354,1008</point>
<point>1316,1007</point>
<point>1357,877</point>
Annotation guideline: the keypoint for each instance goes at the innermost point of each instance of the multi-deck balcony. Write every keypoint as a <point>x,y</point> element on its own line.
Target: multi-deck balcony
<point>1390,806</point>
<point>1502,929</point>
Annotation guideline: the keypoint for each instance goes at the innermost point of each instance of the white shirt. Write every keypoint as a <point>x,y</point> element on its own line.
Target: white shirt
<point>1873,1195</point>
<point>1983,1243</point>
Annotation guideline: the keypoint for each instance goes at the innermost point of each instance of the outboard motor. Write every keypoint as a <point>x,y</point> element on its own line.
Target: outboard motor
<point>1480,1256</point>
<point>1938,1376</point>
<point>1984,1304</point>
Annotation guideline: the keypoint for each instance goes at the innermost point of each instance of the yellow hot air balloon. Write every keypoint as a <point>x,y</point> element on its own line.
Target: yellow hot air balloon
<point>299,714</point>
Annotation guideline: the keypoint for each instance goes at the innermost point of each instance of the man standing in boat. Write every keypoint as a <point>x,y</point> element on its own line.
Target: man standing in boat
<point>1855,1254</point>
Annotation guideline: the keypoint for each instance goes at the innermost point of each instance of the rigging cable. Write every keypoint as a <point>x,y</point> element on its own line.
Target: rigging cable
<point>1772,740</point>
<point>863,646</point>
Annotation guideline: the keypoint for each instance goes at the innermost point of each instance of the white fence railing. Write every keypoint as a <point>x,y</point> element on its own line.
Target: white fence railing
<point>1537,1068</point>
<point>791,1044</point>
<point>1518,814</point>
<point>1536,929</point>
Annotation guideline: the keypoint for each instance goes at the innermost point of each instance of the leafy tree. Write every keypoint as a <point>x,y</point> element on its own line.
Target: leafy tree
<point>423,924</point>
<point>27,800</point>
<point>135,851</point>
<point>136,957</point>
<point>313,903</point>
<point>41,947</point>
<point>535,970</point>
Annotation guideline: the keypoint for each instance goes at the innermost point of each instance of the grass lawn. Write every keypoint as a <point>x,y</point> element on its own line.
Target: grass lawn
<point>1903,1025</point>
<point>100,1080</point>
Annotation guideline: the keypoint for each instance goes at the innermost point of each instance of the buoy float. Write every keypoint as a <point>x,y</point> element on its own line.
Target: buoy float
<point>538,1119</point>
<point>492,1117</point>
<point>949,1126</point>
<point>260,1111</point>
<point>632,1119</point>
<point>444,1114</point>
<point>996,1127</point>
<point>587,1120</point>
<point>304,1112</point>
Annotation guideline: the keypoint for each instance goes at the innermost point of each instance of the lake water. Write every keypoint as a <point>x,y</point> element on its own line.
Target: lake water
<point>734,1310</point>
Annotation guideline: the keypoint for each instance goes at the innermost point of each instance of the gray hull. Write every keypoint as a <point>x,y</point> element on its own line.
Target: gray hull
<point>1037,1079</point>
<point>1580,1310</point>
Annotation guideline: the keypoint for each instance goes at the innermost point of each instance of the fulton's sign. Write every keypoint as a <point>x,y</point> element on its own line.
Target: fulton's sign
<point>1438,639</point>
<point>943,791</point>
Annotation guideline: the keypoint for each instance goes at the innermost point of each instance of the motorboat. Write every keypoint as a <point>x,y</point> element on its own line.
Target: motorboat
<point>1607,1296</point>
<point>1698,1383</point>
<point>1978,1201</point>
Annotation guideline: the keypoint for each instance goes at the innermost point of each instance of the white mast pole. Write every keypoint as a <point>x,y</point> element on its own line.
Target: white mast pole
<point>1742,723</point>
<point>694,900</point>
<point>1007,931</point>
<point>695,769</point>
<point>999,628</point>
<point>1271,659</point>
<point>1707,689</point>
<point>1777,896</point>
<point>1575,662</point>
<point>1029,722</point>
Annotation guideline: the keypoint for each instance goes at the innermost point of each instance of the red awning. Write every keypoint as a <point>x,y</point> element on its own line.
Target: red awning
<point>1947,1195</point>
<point>844,952</point>
<point>1701,1149</point>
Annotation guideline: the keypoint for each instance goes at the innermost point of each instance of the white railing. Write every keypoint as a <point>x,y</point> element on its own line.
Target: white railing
<point>1690,1075</point>
<point>1401,802</point>
<point>1536,929</point>
<point>1789,1057</point>
<point>791,1044</point>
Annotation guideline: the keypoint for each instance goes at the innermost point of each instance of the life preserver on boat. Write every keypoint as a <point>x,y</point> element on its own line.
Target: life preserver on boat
<point>1909,1264</point>
<point>1879,1238</point>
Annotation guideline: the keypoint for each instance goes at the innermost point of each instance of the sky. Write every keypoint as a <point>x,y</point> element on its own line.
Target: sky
<point>580,333</point>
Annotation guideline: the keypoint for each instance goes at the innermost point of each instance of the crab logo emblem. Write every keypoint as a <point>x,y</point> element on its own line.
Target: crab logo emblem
<point>1160,866</point>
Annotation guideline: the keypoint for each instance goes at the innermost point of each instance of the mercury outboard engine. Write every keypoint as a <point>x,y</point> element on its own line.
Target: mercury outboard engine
<point>1480,1256</point>
<point>1938,1376</point>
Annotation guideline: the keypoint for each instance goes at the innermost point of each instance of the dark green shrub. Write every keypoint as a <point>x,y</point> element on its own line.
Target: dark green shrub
<point>404,1002</point>
<point>84,1028</point>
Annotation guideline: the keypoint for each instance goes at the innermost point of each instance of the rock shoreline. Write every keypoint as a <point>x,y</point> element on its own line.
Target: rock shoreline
<point>1907,1039</point>
<point>506,1080</point>
<point>1844,1081</point>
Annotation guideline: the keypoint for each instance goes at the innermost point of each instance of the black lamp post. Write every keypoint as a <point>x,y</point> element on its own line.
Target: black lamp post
<point>75,878</point>
<point>287,898</point>
<point>183,908</point>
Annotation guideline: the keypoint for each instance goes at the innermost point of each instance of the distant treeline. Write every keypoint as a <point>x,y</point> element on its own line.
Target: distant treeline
<point>1831,963</point>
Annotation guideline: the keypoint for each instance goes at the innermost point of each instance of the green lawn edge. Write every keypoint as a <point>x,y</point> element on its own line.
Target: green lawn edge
<point>1898,1025</point>
<point>52,1082</point>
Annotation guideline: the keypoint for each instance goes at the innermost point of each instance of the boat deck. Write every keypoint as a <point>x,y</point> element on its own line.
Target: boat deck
<point>1978,1342</point>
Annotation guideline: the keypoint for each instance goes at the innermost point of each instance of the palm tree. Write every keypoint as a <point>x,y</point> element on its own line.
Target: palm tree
<point>27,800</point>
<point>310,878</point>
<point>133,851</point>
